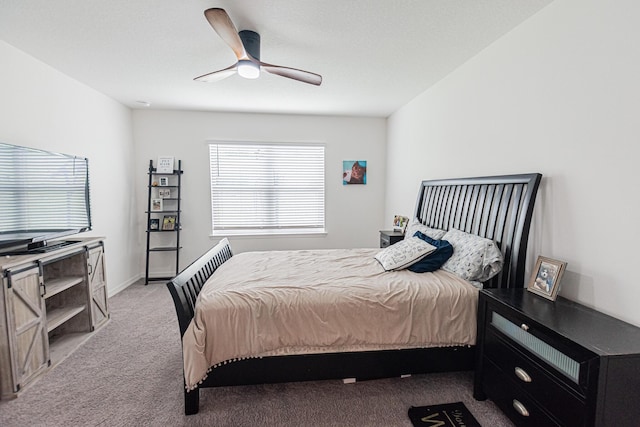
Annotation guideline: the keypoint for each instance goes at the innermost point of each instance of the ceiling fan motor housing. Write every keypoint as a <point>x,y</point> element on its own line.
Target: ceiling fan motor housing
<point>251,41</point>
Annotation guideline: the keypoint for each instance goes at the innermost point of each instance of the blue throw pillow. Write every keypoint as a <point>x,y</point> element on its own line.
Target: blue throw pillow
<point>435,259</point>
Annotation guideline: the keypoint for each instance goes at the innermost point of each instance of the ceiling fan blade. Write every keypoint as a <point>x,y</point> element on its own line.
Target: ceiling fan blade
<point>218,75</point>
<point>223,25</point>
<point>293,73</point>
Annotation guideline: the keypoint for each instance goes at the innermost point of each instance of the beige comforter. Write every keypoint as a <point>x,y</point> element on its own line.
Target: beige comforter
<point>316,301</point>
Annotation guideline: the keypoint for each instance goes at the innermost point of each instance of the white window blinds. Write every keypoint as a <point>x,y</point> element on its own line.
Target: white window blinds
<point>267,188</point>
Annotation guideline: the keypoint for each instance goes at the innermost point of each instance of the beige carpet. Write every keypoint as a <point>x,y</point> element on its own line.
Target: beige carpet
<point>130,374</point>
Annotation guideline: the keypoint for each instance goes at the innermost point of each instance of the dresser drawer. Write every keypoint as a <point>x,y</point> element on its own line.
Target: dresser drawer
<point>508,396</point>
<point>571,362</point>
<point>549,392</point>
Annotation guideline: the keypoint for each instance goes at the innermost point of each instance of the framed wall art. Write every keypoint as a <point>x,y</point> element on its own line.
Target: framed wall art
<point>354,172</point>
<point>545,280</point>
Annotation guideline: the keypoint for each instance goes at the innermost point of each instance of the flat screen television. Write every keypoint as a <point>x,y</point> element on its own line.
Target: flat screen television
<point>43,196</point>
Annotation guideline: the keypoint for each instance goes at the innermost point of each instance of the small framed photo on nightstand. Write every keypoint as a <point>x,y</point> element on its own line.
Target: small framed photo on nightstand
<point>545,280</point>
<point>400,223</point>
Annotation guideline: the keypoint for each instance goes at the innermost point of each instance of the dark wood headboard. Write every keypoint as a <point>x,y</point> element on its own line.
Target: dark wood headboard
<point>497,207</point>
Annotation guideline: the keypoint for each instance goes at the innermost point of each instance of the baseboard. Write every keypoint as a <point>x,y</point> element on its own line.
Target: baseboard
<point>121,287</point>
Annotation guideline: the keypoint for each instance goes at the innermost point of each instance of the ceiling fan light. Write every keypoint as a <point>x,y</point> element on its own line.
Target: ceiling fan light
<point>248,69</point>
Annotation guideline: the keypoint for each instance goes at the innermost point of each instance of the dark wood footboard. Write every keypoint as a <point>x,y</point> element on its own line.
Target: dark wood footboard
<point>186,286</point>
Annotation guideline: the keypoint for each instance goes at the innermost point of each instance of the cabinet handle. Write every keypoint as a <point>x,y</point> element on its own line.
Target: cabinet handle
<point>90,269</point>
<point>524,327</point>
<point>520,408</point>
<point>522,375</point>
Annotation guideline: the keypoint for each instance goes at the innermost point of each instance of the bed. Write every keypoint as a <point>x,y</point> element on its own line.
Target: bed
<point>498,208</point>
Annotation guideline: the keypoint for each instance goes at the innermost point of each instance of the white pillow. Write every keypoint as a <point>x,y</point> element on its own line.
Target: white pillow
<point>416,225</point>
<point>474,258</point>
<point>404,253</point>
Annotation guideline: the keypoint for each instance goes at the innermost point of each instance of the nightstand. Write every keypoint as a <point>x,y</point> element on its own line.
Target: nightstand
<point>389,237</point>
<point>548,363</point>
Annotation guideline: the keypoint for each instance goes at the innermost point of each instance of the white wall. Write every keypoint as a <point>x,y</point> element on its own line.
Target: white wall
<point>557,95</point>
<point>354,214</point>
<point>42,108</point>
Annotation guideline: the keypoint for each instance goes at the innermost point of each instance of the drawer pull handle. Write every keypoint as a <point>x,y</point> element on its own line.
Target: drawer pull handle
<point>524,327</point>
<point>520,408</point>
<point>522,375</point>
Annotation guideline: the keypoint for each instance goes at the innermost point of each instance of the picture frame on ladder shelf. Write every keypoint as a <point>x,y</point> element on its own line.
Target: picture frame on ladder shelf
<point>165,165</point>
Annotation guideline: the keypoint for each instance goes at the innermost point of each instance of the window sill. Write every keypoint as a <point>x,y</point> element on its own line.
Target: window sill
<point>268,233</point>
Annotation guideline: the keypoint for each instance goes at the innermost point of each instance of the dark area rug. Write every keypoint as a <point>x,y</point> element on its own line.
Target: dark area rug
<point>445,415</point>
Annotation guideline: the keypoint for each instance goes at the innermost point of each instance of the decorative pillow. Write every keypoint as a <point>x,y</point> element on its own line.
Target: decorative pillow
<point>435,259</point>
<point>474,257</point>
<point>416,225</point>
<point>404,253</point>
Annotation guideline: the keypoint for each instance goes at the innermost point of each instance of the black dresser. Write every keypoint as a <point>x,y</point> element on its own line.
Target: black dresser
<point>548,363</point>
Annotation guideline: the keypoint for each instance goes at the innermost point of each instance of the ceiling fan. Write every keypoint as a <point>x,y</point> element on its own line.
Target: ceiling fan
<point>246,45</point>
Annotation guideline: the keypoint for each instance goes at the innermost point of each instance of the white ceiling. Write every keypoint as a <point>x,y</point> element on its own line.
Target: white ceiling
<point>374,55</point>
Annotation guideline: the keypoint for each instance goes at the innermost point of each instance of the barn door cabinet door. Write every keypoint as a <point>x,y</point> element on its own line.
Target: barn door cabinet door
<point>26,353</point>
<point>98,285</point>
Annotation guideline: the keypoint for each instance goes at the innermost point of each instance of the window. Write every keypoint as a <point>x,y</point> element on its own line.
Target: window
<point>267,188</point>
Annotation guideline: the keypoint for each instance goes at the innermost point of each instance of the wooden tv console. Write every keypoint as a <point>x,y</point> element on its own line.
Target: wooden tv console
<point>50,303</point>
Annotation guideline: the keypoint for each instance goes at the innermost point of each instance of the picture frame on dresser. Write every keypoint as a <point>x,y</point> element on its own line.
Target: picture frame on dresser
<point>545,280</point>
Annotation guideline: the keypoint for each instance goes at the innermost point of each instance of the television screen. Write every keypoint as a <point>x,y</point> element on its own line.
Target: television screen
<point>43,195</point>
